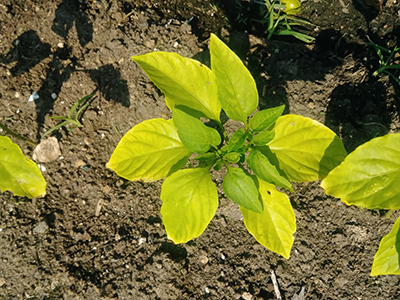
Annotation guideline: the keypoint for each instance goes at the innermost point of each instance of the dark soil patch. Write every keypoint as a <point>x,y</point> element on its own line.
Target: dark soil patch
<point>104,237</point>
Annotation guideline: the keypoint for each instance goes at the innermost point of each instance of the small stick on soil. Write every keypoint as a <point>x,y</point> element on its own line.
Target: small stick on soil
<point>98,207</point>
<point>276,287</point>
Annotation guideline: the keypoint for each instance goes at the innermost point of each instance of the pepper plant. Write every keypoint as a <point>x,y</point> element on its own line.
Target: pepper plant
<point>370,178</point>
<point>268,151</point>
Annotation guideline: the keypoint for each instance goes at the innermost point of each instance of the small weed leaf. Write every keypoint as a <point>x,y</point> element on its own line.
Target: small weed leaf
<point>275,226</point>
<point>237,89</point>
<point>241,189</point>
<point>387,258</point>
<point>19,174</point>
<point>190,200</point>
<point>184,81</point>
<point>194,134</point>
<point>149,151</point>
<point>304,149</point>
<point>370,176</point>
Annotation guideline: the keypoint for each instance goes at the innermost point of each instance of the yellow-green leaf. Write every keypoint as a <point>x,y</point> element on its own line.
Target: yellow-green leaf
<point>184,81</point>
<point>190,200</point>
<point>387,258</point>
<point>237,89</point>
<point>369,176</point>
<point>304,149</point>
<point>241,188</point>
<point>275,226</point>
<point>19,174</point>
<point>149,152</point>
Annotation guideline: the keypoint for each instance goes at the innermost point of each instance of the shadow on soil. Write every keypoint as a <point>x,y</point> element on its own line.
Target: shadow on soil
<point>28,50</point>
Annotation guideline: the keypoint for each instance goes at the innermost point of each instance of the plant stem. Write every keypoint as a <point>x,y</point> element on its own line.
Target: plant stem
<point>18,136</point>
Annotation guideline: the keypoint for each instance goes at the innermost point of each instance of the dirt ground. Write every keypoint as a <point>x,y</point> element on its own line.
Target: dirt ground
<point>97,236</point>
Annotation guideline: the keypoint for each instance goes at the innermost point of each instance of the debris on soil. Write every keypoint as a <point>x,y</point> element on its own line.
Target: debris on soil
<point>47,151</point>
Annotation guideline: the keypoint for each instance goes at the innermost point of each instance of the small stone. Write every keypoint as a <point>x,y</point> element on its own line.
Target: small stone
<point>47,151</point>
<point>79,163</point>
<point>203,259</point>
<point>247,296</point>
<point>2,281</point>
<point>41,227</point>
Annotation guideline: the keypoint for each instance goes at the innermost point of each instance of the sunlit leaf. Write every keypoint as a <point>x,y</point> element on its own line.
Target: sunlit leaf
<point>237,89</point>
<point>263,138</point>
<point>369,176</point>
<point>149,151</point>
<point>184,81</point>
<point>275,226</point>
<point>19,174</point>
<point>241,189</point>
<point>264,170</point>
<point>265,118</point>
<point>194,134</point>
<point>190,200</point>
<point>304,149</point>
<point>387,258</point>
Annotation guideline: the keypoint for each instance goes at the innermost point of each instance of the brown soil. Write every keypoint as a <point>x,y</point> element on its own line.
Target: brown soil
<point>102,237</point>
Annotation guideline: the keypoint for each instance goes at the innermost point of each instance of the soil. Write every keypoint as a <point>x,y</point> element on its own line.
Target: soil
<point>97,236</point>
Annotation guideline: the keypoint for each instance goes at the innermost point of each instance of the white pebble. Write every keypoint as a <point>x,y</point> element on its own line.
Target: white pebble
<point>54,96</point>
<point>33,97</point>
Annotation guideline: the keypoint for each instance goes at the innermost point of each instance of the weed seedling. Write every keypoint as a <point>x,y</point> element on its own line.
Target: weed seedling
<point>386,60</point>
<point>74,115</point>
<point>280,19</point>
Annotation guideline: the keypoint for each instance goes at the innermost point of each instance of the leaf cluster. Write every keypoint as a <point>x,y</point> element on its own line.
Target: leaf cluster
<point>268,151</point>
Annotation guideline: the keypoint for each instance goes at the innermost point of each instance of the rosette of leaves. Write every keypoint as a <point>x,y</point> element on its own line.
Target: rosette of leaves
<point>269,150</point>
<point>370,178</point>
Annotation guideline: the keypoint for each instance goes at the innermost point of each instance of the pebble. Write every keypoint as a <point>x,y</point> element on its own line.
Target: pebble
<point>47,151</point>
<point>41,227</point>
<point>203,259</point>
<point>247,296</point>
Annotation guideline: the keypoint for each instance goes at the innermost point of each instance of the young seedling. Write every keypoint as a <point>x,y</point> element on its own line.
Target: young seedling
<point>268,149</point>
<point>280,17</point>
<point>74,115</point>
<point>369,177</point>
<point>386,63</point>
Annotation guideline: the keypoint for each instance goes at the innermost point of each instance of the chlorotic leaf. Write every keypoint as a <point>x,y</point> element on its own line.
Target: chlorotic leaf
<point>275,226</point>
<point>237,89</point>
<point>190,200</point>
<point>184,81</point>
<point>369,176</point>
<point>387,258</point>
<point>265,118</point>
<point>241,189</point>
<point>304,149</point>
<point>264,170</point>
<point>19,174</point>
<point>149,151</point>
<point>194,134</point>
